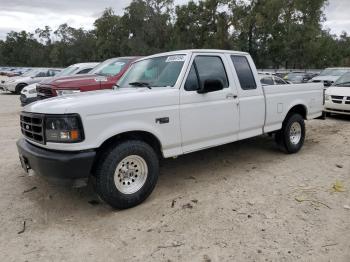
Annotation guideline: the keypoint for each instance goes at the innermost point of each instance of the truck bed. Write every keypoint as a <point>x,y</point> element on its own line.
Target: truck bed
<point>281,98</point>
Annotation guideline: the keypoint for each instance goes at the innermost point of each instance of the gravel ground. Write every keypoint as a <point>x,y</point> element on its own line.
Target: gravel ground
<point>245,201</point>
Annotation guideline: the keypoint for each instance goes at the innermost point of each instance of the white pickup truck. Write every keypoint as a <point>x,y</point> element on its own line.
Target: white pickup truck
<point>165,105</point>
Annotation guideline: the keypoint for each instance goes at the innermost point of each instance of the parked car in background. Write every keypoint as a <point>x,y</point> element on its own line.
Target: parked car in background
<point>337,97</point>
<point>330,75</point>
<point>103,76</point>
<point>13,71</point>
<point>18,72</point>
<point>29,93</point>
<point>299,77</point>
<point>280,74</point>
<point>7,70</point>
<point>165,105</point>
<point>268,79</point>
<point>16,84</point>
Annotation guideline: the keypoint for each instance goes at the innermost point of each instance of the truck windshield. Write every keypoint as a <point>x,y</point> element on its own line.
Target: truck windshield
<point>110,67</point>
<point>160,71</point>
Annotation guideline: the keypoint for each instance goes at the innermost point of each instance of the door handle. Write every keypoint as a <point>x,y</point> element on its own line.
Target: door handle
<point>162,120</point>
<point>231,96</point>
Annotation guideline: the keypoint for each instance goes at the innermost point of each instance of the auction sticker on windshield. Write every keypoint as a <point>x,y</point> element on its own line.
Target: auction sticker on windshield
<point>175,58</point>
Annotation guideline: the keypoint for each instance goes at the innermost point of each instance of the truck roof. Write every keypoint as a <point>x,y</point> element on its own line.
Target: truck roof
<point>190,51</point>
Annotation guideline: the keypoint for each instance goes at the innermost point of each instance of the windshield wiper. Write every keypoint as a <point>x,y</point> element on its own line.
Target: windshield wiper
<point>343,83</point>
<point>140,84</point>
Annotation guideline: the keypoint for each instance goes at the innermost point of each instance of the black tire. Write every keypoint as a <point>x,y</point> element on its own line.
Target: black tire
<point>278,139</point>
<point>283,137</point>
<point>106,187</point>
<point>19,88</point>
<point>327,114</point>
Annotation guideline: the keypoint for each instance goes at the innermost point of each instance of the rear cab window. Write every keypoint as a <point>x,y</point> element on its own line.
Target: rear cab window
<point>244,72</point>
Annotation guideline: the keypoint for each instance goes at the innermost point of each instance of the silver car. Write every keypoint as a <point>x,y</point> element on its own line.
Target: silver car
<point>36,75</point>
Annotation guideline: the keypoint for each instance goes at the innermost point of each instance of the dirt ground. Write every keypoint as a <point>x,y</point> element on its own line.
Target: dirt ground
<point>245,201</point>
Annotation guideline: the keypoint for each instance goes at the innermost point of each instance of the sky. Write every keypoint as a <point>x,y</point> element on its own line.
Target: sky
<point>28,15</point>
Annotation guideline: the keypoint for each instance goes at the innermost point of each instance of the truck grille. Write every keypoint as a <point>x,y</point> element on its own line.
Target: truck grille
<point>32,127</point>
<point>44,92</point>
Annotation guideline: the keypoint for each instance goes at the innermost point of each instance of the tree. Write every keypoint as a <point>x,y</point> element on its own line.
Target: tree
<point>110,35</point>
<point>277,33</point>
<point>148,26</point>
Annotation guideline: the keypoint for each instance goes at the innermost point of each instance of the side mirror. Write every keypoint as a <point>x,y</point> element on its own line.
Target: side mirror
<point>211,85</point>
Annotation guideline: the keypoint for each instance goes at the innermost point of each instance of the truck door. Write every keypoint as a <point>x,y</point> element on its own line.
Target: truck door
<point>251,97</point>
<point>208,119</point>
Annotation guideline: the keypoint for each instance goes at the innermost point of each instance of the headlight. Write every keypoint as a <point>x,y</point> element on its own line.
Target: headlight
<point>327,97</point>
<point>63,129</point>
<point>63,92</point>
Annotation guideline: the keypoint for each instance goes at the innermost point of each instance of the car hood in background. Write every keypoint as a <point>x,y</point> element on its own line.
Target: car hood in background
<point>75,81</point>
<point>338,91</point>
<point>325,78</point>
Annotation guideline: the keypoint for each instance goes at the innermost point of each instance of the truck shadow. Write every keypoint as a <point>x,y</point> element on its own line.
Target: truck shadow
<point>4,93</point>
<point>339,117</point>
<point>235,159</point>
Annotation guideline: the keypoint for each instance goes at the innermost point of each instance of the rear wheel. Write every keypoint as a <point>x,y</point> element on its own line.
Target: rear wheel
<point>292,135</point>
<point>127,174</point>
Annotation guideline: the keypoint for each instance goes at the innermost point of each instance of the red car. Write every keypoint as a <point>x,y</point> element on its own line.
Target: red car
<point>103,76</point>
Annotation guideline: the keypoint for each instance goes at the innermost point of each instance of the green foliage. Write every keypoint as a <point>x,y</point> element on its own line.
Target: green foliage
<point>277,33</point>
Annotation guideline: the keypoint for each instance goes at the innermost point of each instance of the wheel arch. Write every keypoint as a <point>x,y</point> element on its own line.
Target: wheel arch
<point>22,84</point>
<point>300,109</point>
<point>145,136</point>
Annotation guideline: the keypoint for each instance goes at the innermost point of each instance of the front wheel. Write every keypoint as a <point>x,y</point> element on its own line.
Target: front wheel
<point>127,173</point>
<point>292,135</point>
<point>19,88</point>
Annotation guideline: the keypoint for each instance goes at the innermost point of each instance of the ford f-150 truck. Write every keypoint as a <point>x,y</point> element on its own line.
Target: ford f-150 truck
<point>103,76</point>
<point>165,105</point>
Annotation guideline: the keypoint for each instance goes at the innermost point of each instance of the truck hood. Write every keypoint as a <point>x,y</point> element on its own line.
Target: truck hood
<point>338,91</point>
<point>75,81</point>
<point>103,101</point>
<point>326,78</point>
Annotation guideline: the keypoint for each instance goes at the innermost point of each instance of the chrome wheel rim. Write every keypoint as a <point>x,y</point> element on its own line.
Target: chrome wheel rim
<point>295,133</point>
<point>131,174</point>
